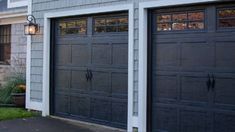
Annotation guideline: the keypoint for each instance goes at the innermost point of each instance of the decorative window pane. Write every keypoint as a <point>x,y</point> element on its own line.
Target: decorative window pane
<point>115,24</point>
<point>179,26</point>
<point>179,17</point>
<point>181,21</point>
<point>73,27</point>
<point>5,44</point>
<point>164,27</point>
<point>227,13</point>
<point>164,18</point>
<point>196,25</point>
<point>227,23</point>
<point>226,18</point>
<point>195,16</point>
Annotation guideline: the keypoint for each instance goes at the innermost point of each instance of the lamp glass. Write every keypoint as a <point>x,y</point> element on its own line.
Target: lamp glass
<point>30,29</point>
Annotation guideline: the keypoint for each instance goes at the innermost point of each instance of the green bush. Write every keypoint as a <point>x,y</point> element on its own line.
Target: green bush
<point>7,89</point>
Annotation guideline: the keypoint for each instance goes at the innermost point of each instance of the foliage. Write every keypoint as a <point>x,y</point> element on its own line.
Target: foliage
<point>16,77</point>
<point>9,87</point>
<point>13,113</point>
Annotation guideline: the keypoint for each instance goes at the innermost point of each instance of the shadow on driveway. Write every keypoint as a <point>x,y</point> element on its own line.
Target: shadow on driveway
<point>40,124</point>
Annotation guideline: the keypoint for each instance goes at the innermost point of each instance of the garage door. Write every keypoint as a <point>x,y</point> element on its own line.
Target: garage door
<point>90,69</point>
<point>192,69</point>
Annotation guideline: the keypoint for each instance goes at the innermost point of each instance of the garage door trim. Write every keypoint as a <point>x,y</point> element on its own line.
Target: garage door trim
<point>47,42</point>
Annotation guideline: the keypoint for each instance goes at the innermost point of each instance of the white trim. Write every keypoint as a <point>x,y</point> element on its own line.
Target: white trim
<point>12,15</point>
<point>17,4</point>
<point>31,105</point>
<point>46,50</point>
<point>143,20</point>
<point>12,20</point>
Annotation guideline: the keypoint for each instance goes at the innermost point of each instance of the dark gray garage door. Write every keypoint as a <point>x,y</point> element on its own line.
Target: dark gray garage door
<point>90,69</point>
<point>193,69</point>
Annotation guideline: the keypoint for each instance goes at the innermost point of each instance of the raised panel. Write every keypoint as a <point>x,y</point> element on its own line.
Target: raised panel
<point>194,89</point>
<point>101,82</point>
<point>62,54</point>
<point>194,121</point>
<point>166,55</point>
<point>120,54</point>
<point>164,119</point>
<point>197,55</point>
<point>119,84</point>
<point>101,109</point>
<point>62,80</point>
<point>119,112</point>
<point>101,54</point>
<point>225,55</point>
<point>224,122</point>
<point>224,91</point>
<point>164,87</point>
<point>79,82</point>
<point>80,105</point>
<point>80,55</point>
<point>61,104</point>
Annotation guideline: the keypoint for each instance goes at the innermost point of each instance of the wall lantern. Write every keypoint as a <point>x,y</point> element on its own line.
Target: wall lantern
<point>31,27</point>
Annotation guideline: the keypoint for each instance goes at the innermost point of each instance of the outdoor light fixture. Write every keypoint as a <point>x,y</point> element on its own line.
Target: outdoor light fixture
<point>31,27</point>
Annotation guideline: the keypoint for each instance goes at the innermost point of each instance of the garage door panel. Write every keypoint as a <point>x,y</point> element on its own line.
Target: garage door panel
<point>80,56</point>
<point>166,88</point>
<point>62,55</point>
<point>61,104</point>
<point>62,80</point>
<point>194,121</point>
<point>79,82</point>
<point>100,109</point>
<point>120,54</point>
<point>83,109</point>
<point>225,55</point>
<point>119,112</point>
<point>101,82</point>
<point>197,55</point>
<point>224,122</point>
<point>164,119</point>
<point>72,40</point>
<point>166,55</point>
<point>194,89</point>
<point>224,90</point>
<point>101,54</point>
<point>119,89</point>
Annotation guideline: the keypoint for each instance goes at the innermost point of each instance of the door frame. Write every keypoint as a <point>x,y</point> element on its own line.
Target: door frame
<point>47,51</point>
<point>144,107</point>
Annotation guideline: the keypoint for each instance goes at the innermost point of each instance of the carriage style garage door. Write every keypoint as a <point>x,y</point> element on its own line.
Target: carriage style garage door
<point>90,68</point>
<point>192,73</point>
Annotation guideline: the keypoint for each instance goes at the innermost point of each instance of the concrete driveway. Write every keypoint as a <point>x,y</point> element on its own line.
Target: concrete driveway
<point>40,124</point>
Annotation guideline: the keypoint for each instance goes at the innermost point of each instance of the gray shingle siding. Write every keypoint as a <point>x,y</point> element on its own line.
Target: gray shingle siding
<point>40,7</point>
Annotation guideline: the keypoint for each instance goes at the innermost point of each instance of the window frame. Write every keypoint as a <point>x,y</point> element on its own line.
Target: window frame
<point>71,20</point>
<point>5,62</point>
<point>17,4</point>
<point>187,21</point>
<point>105,26</point>
<point>218,18</point>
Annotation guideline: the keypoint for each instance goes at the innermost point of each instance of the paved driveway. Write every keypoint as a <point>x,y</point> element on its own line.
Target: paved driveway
<point>40,124</point>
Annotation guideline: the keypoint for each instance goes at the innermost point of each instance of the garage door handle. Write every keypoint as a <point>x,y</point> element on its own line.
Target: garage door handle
<point>208,83</point>
<point>91,74</point>
<point>87,75</point>
<point>213,82</point>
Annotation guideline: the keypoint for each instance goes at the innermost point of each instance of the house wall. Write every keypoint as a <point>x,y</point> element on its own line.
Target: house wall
<point>18,53</point>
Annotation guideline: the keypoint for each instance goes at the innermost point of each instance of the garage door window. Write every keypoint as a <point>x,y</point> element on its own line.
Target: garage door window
<point>226,18</point>
<point>73,27</point>
<point>181,21</point>
<point>102,25</point>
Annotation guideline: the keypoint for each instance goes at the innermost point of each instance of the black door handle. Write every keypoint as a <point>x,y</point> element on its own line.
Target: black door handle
<point>213,82</point>
<point>90,74</point>
<point>208,83</point>
<point>87,74</point>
